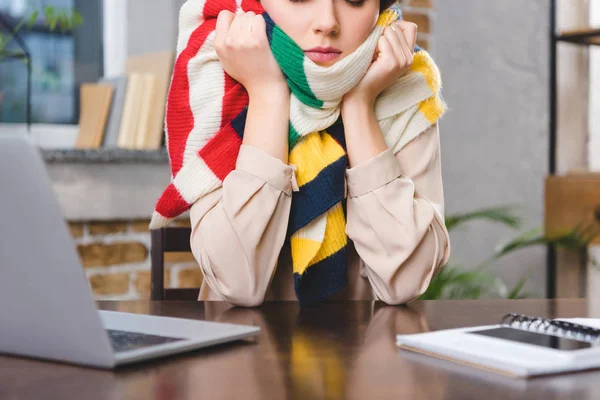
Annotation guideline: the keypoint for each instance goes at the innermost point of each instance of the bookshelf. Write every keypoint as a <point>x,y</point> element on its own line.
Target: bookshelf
<point>582,188</point>
<point>125,111</point>
<point>105,156</point>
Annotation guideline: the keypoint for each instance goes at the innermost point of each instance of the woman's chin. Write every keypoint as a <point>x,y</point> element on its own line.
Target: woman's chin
<point>325,64</point>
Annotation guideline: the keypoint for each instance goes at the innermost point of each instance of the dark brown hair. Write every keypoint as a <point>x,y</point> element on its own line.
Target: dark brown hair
<point>385,4</point>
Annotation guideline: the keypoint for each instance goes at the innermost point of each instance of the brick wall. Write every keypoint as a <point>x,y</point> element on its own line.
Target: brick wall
<point>116,259</point>
<point>421,12</point>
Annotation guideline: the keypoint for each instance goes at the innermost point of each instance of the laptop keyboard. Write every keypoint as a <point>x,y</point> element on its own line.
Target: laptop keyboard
<point>126,341</point>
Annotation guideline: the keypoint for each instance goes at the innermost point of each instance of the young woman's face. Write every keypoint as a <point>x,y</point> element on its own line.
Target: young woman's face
<point>327,30</point>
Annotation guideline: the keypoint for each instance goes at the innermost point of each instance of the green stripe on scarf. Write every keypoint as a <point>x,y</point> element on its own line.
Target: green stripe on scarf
<point>291,60</point>
<point>294,136</point>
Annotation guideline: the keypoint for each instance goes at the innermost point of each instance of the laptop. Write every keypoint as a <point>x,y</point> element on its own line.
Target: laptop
<point>46,307</point>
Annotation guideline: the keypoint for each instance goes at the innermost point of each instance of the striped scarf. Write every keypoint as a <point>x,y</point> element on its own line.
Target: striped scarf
<point>205,119</point>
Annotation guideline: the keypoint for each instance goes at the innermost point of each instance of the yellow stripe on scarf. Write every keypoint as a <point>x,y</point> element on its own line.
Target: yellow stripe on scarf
<point>432,108</point>
<point>387,17</point>
<point>307,252</point>
<point>335,234</point>
<point>303,251</point>
<point>312,154</point>
<point>423,64</point>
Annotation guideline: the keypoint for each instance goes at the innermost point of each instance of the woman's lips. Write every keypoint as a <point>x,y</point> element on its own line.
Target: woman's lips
<point>319,56</point>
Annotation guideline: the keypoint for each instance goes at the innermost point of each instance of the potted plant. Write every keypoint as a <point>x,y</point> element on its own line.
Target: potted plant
<point>459,282</point>
<point>61,20</point>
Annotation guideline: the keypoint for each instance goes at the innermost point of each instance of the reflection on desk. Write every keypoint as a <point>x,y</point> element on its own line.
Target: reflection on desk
<point>331,351</point>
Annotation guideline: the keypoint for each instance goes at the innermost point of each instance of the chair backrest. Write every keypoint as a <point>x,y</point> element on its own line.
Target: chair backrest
<point>166,240</point>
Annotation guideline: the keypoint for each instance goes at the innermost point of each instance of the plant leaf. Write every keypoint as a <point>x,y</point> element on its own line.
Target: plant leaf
<point>437,284</point>
<point>530,238</point>
<point>32,18</point>
<point>77,19</point>
<point>50,16</point>
<point>576,239</point>
<point>504,215</point>
<point>515,292</point>
<point>456,283</point>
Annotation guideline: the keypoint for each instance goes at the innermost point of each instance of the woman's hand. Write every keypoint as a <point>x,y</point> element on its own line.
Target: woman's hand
<point>393,57</point>
<point>243,49</point>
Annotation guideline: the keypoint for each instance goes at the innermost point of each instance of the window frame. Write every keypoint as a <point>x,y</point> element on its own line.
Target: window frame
<point>94,51</point>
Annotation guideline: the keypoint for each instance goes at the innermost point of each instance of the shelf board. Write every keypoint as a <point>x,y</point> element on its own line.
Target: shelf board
<point>587,36</point>
<point>105,156</point>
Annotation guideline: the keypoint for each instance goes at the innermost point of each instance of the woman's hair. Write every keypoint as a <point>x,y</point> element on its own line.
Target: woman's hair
<point>385,4</point>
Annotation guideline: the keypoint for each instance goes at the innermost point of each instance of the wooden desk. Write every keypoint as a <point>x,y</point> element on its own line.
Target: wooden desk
<point>336,350</point>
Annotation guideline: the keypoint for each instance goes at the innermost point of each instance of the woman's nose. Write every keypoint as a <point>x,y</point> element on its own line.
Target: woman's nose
<point>325,20</point>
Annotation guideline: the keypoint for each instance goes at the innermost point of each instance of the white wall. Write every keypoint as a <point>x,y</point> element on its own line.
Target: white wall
<point>573,85</point>
<point>594,129</point>
<point>494,61</point>
<point>134,27</point>
<point>594,110</point>
<point>115,36</point>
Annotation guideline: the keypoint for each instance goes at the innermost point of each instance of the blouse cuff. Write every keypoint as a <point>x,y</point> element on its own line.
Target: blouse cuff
<point>372,174</point>
<point>264,166</point>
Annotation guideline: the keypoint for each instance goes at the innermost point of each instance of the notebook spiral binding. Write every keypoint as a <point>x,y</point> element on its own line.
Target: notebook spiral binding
<point>551,327</point>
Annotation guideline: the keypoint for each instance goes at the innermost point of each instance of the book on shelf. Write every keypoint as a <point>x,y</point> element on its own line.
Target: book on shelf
<point>150,131</point>
<point>134,102</point>
<point>113,125</point>
<point>95,102</point>
<point>127,111</point>
<point>144,123</point>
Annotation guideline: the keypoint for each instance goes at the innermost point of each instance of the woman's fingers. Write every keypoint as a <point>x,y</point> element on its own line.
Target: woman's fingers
<point>406,49</point>
<point>409,31</point>
<point>247,22</point>
<point>258,25</point>
<point>258,22</point>
<point>384,47</point>
<point>224,20</point>
<point>392,34</point>
<point>236,28</point>
<point>402,36</point>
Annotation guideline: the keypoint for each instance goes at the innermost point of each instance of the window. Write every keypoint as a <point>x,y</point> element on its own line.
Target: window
<point>60,62</point>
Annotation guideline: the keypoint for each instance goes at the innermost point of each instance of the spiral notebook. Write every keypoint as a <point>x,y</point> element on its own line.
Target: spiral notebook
<point>519,346</point>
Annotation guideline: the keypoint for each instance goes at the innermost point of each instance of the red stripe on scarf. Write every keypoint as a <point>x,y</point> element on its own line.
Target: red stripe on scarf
<point>171,204</point>
<point>213,7</point>
<point>234,101</point>
<point>221,152</point>
<point>179,118</point>
<point>252,5</point>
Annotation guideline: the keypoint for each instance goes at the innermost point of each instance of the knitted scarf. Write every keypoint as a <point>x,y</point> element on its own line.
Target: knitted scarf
<point>205,119</point>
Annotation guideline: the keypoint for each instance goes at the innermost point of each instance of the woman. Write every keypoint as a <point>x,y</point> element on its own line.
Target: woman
<point>298,68</point>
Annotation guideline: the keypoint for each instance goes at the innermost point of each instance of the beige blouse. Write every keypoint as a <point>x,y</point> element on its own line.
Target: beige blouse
<point>395,223</point>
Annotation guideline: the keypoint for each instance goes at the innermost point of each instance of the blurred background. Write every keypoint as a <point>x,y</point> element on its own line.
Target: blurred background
<point>520,143</point>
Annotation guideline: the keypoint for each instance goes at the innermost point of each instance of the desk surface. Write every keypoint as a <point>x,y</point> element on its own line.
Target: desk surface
<point>336,350</point>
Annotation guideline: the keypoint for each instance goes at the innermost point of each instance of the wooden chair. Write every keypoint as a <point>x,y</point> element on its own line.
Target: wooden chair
<point>166,240</point>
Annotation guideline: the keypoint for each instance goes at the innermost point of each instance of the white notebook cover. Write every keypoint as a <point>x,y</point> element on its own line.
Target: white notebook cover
<point>502,356</point>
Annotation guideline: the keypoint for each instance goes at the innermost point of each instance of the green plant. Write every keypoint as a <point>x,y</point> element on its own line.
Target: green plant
<point>459,282</point>
<point>54,19</point>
